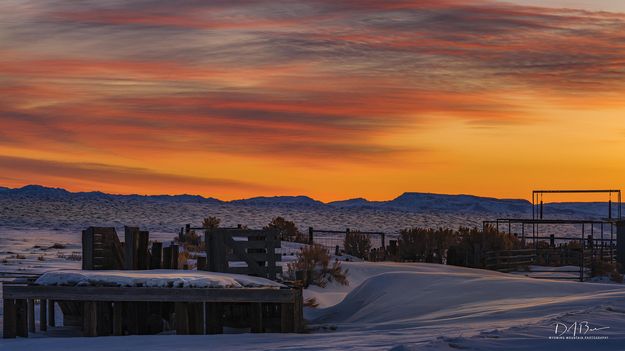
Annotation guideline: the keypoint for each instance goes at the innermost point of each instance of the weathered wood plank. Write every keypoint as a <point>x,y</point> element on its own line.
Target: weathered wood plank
<point>9,326</point>
<point>43,315</point>
<point>196,318</point>
<point>182,318</point>
<point>22,317</point>
<point>214,318</point>
<point>31,315</point>
<point>256,318</point>
<point>51,313</point>
<point>90,317</point>
<point>117,318</point>
<point>91,293</point>
<point>256,256</point>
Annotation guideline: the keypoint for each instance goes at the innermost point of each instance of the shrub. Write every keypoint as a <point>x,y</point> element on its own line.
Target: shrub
<point>286,230</point>
<point>473,243</point>
<point>211,222</point>
<point>311,302</point>
<point>428,245</point>
<point>357,244</point>
<point>314,261</point>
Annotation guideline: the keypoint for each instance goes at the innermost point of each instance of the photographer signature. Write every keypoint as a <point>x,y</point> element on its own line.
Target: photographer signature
<point>576,328</point>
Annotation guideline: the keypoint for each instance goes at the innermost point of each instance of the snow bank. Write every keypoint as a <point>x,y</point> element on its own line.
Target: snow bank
<point>161,278</point>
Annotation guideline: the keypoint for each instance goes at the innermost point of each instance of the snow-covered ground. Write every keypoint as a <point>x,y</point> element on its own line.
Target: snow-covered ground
<point>406,306</point>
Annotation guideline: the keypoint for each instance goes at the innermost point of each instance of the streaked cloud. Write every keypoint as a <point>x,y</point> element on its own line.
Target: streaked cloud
<point>287,82</point>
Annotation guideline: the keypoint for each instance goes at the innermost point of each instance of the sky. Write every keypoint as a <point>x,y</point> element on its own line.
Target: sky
<point>330,99</point>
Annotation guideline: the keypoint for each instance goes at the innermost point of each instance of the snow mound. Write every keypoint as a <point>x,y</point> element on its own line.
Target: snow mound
<point>161,278</point>
<point>413,298</point>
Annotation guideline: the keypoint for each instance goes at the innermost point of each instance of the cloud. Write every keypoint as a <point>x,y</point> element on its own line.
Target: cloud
<point>287,80</point>
<point>97,173</point>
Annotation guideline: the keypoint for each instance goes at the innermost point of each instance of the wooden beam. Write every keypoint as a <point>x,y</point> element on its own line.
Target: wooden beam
<point>286,318</point>
<point>105,293</point>
<point>196,318</point>
<point>9,326</point>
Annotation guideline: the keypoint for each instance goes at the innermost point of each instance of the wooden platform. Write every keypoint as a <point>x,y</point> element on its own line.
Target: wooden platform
<point>101,311</point>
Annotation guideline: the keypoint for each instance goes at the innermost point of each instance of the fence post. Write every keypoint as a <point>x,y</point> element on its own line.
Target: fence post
<point>310,235</point>
<point>552,240</point>
<point>620,245</point>
<point>590,241</point>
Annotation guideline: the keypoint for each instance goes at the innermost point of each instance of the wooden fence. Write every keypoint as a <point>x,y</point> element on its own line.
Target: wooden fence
<point>102,250</point>
<point>243,251</point>
<point>509,260</point>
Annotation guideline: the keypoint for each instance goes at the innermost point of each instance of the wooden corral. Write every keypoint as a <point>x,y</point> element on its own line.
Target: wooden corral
<point>106,311</point>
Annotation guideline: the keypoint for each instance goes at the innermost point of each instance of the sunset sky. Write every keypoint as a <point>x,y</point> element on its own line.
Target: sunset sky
<point>330,99</point>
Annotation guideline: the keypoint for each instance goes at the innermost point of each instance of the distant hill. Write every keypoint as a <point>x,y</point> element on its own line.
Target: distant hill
<point>409,202</point>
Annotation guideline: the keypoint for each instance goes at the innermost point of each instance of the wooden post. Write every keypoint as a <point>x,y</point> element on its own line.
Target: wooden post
<point>31,315</point>
<point>311,232</point>
<point>298,311</point>
<point>167,257</point>
<point>286,318</point>
<point>196,318</point>
<point>22,317</point>
<point>201,263</point>
<point>117,318</point>
<point>174,256</point>
<point>87,249</point>
<point>157,255</point>
<point>43,315</point>
<point>130,247</point>
<point>620,245</point>
<point>51,315</point>
<point>256,317</point>
<point>143,257</point>
<point>90,318</point>
<point>214,318</point>
<point>9,319</point>
<point>182,318</point>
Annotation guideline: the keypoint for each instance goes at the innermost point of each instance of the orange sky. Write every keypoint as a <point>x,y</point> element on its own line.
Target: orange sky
<point>331,99</point>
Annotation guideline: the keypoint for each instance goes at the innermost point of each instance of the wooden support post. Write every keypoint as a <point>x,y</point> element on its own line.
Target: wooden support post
<point>90,318</point>
<point>256,317</point>
<point>87,249</point>
<point>201,263</point>
<point>214,318</point>
<point>117,318</point>
<point>298,311</point>
<point>51,314</point>
<point>157,255</point>
<point>311,232</point>
<point>196,318</point>
<point>182,318</point>
<point>167,257</point>
<point>143,257</point>
<point>9,329</point>
<point>174,256</point>
<point>286,318</point>
<point>31,315</point>
<point>22,317</point>
<point>43,315</point>
<point>131,243</point>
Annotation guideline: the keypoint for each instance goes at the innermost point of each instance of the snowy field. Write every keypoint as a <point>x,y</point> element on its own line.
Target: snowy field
<point>387,306</point>
<point>395,306</point>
